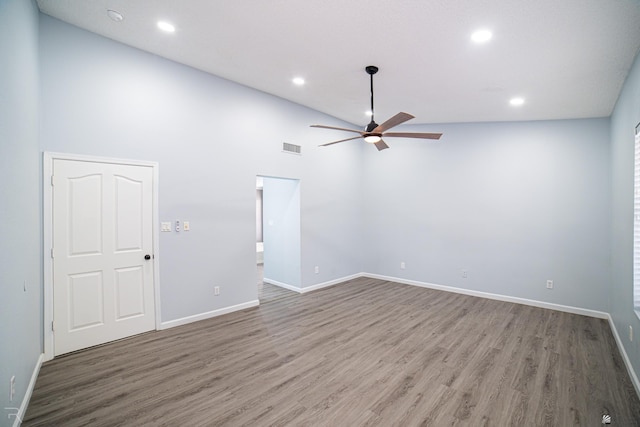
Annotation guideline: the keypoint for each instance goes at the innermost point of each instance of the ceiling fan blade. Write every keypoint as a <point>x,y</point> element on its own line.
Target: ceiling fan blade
<point>381,145</point>
<point>335,128</point>
<point>342,140</point>
<point>393,121</point>
<point>414,135</point>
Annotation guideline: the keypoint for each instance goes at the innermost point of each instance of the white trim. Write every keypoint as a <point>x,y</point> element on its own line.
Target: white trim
<point>330,283</point>
<point>47,205</point>
<point>27,395</point>
<point>636,224</point>
<point>208,315</point>
<point>625,356</point>
<point>156,243</point>
<point>47,231</point>
<point>282,285</point>
<point>96,159</point>
<point>313,287</point>
<point>499,297</point>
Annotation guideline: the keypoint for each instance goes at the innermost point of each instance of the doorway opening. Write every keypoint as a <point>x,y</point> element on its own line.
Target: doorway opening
<point>277,234</point>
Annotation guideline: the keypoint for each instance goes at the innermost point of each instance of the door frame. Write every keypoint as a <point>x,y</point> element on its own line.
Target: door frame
<point>47,228</point>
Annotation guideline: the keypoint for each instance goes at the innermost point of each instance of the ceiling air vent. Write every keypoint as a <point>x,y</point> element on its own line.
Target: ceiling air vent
<point>291,148</point>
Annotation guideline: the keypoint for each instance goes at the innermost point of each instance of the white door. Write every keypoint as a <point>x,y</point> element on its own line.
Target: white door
<point>102,235</point>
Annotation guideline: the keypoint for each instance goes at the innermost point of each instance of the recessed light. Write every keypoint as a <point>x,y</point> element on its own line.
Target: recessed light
<point>516,101</point>
<point>114,15</point>
<point>298,81</point>
<point>481,36</point>
<point>165,26</point>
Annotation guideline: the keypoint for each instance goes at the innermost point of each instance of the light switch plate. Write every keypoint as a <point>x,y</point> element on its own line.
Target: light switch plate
<point>185,225</point>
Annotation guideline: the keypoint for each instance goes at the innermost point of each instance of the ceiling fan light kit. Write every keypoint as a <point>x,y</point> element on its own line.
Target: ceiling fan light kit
<point>374,132</point>
<point>372,139</point>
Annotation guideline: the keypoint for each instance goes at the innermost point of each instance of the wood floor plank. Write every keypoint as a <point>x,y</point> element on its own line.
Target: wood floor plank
<point>365,352</point>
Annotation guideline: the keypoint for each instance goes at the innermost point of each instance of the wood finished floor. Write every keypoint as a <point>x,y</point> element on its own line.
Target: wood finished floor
<point>366,352</point>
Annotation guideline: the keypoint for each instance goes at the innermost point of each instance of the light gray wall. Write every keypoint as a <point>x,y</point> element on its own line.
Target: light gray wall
<point>20,253</point>
<point>625,117</point>
<point>514,204</point>
<point>282,230</point>
<point>211,138</point>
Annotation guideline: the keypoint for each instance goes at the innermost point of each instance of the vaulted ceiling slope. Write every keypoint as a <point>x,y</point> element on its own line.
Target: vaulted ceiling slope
<point>567,59</point>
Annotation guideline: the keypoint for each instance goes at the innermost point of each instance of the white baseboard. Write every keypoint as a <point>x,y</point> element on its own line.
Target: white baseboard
<point>282,285</point>
<point>27,395</point>
<point>312,287</point>
<point>625,356</point>
<point>207,315</point>
<point>329,283</point>
<point>498,297</point>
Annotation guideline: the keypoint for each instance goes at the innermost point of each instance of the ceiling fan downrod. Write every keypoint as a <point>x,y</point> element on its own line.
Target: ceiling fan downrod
<point>371,70</point>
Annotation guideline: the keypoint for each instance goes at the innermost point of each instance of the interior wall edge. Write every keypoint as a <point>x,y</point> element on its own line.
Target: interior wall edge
<point>625,356</point>
<point>27,396</point>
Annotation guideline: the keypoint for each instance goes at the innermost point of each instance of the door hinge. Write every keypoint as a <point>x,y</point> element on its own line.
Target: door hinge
<point>51,252</point>
<point>52,180</point>
<point>53,328</point>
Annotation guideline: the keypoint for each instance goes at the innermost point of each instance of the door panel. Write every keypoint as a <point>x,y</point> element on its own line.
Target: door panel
<point>129,292</point>
<point>85,215</point>
<point>85,300</point>
<point>102,230</point>
<point>129,228</point>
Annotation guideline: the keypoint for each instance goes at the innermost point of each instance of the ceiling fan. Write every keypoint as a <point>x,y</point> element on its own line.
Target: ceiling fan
<point>374,132</point>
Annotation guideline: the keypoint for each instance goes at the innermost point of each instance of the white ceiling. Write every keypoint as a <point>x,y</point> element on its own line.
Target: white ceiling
<point>568,58</point>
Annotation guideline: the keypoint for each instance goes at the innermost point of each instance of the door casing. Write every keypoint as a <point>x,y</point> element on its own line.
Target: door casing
<point>47,194</point>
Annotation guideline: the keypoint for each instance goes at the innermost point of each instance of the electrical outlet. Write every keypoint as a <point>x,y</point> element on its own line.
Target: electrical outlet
<point>12,389</point>
<point>549,284</point>
<point>402,265</point>
<point>177,225</point>
<point>165,226</point>
<point>216,290</point>
<point>185,226</point>
<point>630,333</point>
<point>317,269</point>
<point>464,274</point>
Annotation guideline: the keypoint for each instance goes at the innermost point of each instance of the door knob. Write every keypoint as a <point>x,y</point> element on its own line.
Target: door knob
<point>147,257</point>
